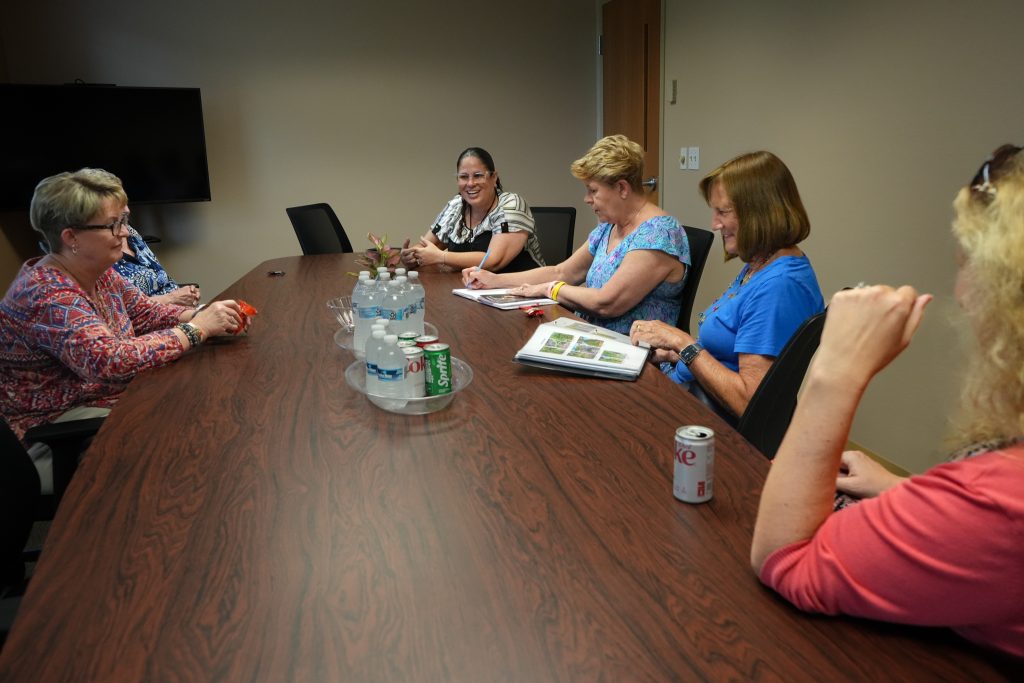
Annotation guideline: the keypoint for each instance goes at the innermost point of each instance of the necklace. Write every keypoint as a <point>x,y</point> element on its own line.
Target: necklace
<point>99,304</point>
<point>635,214</point>
<point>468,217</point>
<point>755,265</point>
<point>734,289</point>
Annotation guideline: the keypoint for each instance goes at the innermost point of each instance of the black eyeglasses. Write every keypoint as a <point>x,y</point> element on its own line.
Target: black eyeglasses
<point>114,228</point>
<point>985,178</point>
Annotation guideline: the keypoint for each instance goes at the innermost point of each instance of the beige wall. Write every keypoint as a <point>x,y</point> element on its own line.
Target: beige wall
<point>881,110</point>
<point>365,106</point>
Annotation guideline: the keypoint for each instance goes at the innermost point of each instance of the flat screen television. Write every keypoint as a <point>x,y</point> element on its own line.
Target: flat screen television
<point>151,138</point>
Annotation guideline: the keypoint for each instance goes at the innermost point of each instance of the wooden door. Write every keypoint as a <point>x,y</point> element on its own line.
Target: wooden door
<point>631,51</point>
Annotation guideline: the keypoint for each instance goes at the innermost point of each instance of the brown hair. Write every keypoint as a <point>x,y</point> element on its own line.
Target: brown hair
<point>768,207</point>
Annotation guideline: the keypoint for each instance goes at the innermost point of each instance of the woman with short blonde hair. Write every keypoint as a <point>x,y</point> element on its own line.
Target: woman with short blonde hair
<point>634,264</point>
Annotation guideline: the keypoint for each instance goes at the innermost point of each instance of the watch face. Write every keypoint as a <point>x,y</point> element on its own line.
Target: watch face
<point>689,353</point>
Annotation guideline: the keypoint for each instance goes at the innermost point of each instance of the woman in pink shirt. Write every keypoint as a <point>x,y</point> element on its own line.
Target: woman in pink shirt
<point>945,548</point>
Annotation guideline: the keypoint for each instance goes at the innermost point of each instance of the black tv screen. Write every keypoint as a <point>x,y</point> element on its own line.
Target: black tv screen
<point>151,138</point>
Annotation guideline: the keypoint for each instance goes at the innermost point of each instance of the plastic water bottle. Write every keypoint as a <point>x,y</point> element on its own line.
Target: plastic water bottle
<point>391,368</point>
<point>392,307</point>
<point>373,348</point>
<point>403,326</point>
<point>418,300</point>
<point>382,281</point>
<point>364,310</point>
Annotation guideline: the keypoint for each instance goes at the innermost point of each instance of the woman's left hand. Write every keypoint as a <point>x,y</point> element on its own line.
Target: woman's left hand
<point>182,296</point>
<point>532,291</point>
<point>659,335</point>
<point>425,254</point>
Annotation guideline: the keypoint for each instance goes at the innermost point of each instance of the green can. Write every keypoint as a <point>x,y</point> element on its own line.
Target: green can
<point>438,370</point>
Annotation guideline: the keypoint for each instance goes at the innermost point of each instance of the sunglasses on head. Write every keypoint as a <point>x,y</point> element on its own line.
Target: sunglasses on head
<point>984,180</point>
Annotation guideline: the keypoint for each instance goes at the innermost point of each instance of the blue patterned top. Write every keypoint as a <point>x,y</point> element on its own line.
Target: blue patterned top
<point>143,270</point>
<point>661,233</point>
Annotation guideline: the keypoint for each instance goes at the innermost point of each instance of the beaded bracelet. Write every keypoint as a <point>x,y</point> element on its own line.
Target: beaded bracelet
<point>191,333</point>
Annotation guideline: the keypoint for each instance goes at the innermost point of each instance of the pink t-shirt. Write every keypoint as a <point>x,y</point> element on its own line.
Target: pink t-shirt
<point>946,548</point>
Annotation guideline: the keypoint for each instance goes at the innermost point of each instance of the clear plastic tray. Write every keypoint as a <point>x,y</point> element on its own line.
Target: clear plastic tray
<point>462,376</point>
<point>343,338</point>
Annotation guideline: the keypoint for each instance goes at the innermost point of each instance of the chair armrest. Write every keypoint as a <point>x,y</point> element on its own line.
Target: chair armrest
<point>57,432</point>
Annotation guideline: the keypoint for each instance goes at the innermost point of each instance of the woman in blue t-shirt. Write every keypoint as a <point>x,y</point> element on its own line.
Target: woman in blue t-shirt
<point>757,209</point>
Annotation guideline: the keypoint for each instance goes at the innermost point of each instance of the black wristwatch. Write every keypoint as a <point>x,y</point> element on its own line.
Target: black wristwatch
<point>689,353</point>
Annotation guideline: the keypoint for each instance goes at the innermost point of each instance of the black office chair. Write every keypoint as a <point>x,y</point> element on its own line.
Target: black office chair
<point>319,230</point>
<point>554,226</point>
<point>19,501</point>
<point>770,410</point>
<point>700,246</point>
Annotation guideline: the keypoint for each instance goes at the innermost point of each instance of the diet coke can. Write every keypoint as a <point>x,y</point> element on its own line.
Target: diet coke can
<point>694,477</point>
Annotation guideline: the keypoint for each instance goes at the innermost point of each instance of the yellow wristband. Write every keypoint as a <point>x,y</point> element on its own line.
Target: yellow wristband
<point>554,290</point>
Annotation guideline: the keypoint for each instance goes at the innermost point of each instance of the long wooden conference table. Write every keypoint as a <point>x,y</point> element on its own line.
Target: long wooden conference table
<point>245,516</point>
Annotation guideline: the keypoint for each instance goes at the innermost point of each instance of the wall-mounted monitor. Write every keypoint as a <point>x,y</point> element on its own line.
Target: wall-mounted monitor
<point>151,138</point>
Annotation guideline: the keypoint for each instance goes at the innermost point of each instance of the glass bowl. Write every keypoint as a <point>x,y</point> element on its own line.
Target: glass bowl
<point>462,376</point>
<point>343,338</point>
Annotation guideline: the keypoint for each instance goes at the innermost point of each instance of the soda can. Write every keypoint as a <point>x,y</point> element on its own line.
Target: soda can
<point>425,340</point>
<point>415,384</point>
<point>406,343</point>
<point>694,463</point>
<point>407,336</point>
<point>438,368</point>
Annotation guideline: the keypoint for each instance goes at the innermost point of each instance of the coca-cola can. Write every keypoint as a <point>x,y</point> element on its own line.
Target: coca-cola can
<point>694,464</point>
<point>415,382</point>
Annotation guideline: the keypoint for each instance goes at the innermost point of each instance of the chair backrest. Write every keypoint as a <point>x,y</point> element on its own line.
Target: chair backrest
<point>767,416</point>
<point>700,246</point>
<point>554,226</point>
<point>319,230</point>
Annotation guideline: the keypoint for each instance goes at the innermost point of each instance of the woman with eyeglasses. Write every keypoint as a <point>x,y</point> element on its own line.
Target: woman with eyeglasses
<point>73,332</point>
<point>481,219</point>
<point>634,264</point>
<point>944,548</point>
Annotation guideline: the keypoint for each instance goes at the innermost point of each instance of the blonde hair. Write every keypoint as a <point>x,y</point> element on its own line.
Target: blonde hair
<point>610,160</point>
<point>68,199</point>
<point>768,207</point>
<point>989,228</point>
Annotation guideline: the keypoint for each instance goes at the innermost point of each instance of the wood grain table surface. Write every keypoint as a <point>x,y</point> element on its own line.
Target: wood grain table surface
<point>244,515</point>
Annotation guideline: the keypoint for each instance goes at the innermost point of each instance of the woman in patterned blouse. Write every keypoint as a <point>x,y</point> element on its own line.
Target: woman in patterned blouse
<point>634,263</point>
<point>482,218</point>
<point>73,332</point>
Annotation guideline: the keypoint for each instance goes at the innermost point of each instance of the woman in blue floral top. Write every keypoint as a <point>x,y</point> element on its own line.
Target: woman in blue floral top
<point>140,267</point>
<point>634,264</point>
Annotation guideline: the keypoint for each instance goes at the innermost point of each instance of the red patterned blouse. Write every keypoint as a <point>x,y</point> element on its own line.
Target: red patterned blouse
<point>59,349</point>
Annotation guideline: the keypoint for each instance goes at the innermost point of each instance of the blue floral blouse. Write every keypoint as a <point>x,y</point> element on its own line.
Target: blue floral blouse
<point>661,233</point>
<point>144,270</point>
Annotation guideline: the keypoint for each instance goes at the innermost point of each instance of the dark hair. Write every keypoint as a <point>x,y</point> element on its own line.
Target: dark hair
<point>485,158</point>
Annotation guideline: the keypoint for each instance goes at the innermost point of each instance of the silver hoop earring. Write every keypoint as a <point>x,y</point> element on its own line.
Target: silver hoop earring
<point>74,249</point>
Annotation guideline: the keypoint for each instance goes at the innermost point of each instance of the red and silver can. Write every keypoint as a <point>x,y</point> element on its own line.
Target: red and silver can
<point>694,477</point>
<point>425,340</point>
<point>415,382</point>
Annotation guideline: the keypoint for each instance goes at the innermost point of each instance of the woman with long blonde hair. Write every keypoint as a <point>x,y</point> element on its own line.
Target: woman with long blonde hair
<point>939,549</point>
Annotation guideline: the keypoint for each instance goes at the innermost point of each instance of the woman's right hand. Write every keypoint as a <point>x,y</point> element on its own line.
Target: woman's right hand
<point>474,278</point>
<point>862,477</point>
<point>219,318</point>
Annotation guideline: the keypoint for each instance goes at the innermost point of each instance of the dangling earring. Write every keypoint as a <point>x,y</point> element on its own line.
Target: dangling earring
<point>74,248</point>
